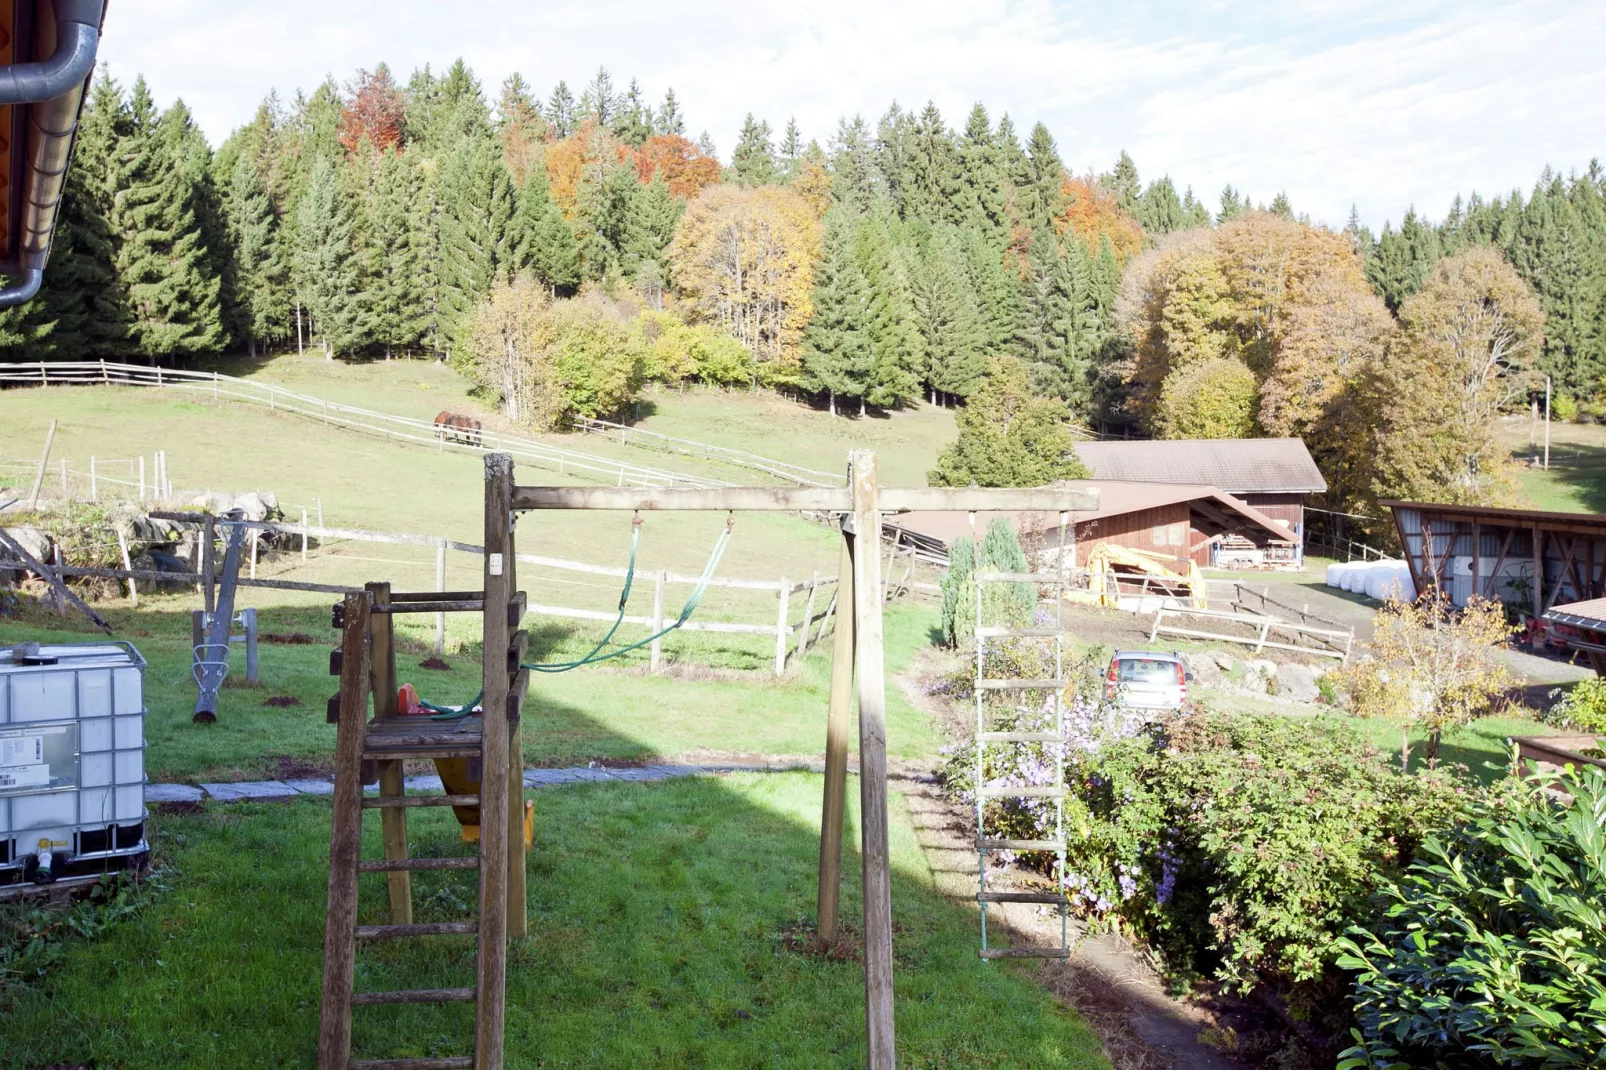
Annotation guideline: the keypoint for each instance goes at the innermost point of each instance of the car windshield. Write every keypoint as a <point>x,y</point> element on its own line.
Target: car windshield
<point>1145,671</point>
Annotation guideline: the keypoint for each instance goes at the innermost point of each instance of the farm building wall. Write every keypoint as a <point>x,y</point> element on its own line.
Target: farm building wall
<point>1163,530</point>
<point>1285,507</point>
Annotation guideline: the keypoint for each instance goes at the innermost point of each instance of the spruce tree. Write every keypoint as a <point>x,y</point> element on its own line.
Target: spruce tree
<point>1039,191</point>
<point>753,159</point>
<point>931,171</point>
<point>852,166</point>
<point>1233,205</point>
<point>897,348</point>
<point>980,199</point>
<point>1194,212</point>
<point>1403,260</point>
<point>477,236</point>
<point>1160,211</point>
<point>633,123</point>
<point>949,320</point>
<point>599,100</point>
<point>326,268</point>
<point>670,121</point>
<point>605,221</point>
<point>1122,183</point>
<point>393,254</point>
<point>892,148</point>
<point>163,261</point>
<point>560,110</point>
<point>260,269</point>
<point>837,357</point>
<point>1044,309</point>
<point>655,211</point>
<point>789,161</point>
<point>547,248</point>
<point>1011,159</point>
<point>997,292</point>
<point>1281,207</point>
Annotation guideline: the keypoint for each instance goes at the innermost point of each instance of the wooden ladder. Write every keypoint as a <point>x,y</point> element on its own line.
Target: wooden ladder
<point>378,748</point>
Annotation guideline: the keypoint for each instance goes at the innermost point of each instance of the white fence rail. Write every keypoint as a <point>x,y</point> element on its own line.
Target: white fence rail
<point>349,417</point>
<point>636,436</point>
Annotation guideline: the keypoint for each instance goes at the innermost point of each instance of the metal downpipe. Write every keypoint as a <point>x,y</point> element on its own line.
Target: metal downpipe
<point>77,39</point>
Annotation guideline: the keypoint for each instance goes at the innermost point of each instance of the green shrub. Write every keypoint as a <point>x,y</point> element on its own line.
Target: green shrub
<point>1002,603</point>
<point>959,593</point>
<point>1563,407</point>
<point>1583,708</point>
<point>1493,951</point>
<point>1244,845</point>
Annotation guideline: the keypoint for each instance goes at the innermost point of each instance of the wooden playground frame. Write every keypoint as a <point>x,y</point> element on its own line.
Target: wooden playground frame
<point>366,664</point>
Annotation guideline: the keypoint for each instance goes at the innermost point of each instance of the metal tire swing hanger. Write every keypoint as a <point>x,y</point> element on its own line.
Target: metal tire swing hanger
<point>595,654</point>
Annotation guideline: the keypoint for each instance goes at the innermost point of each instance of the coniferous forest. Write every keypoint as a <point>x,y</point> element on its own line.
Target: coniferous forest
<point>564,248</point>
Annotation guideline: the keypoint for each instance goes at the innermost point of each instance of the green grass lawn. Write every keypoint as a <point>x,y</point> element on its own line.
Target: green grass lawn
<point>596,712</point>
<point>1576,479</point>
<point>663,920</point>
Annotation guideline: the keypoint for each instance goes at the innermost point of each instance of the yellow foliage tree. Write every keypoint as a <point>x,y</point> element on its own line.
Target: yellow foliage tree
<point>1433,666</point>
<point>744,259</point>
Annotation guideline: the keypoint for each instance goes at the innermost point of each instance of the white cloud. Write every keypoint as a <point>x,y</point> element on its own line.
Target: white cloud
<point>1382,104</point>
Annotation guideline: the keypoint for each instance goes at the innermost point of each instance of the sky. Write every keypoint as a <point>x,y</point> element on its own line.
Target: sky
<point>1383,105</point>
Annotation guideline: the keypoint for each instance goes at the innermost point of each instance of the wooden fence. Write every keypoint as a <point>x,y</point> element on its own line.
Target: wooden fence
<point>635,436</point>
<point>332,414</point>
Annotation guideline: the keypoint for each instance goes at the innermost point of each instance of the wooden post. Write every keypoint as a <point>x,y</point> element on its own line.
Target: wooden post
<point>808,616</point>
<point>440,585</point>
<point>1539,570</point>
<point>44,459</point>
<point>208,565</point>
<point>66,491</point>
<point>303,535</point>
<point>657,648</point>
<point>339,949</point>
<point>491,973</point>
<point>94,487</point>
<point>256,540</point>
<point>128,564</point>
<point>142,477</point>
<point>392,819</point>
<point>518,921</point>
<point>836,753</point>
<point>252,664</point>
<point>877,876</point>
<point>781,616</point>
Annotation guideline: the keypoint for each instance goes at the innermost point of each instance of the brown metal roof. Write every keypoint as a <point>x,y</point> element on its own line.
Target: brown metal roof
<point>1590,614</point>
<point>1237,465</point>
<point>1115,499</point>
<point>1490,512</point>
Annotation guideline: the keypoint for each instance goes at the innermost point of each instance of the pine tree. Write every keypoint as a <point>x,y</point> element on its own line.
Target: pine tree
<point>980,201</point>
<point>261,272</point>
<point>162,259</point>
<point>1281,207</point>
<point>997,292</point>
<point>852,166</point>
<point>931,181</point>
<point>599,100</point>
<point>1160,211</point>
<point>897,348</point>
<point>633,123</point>
<point>790,159</point>
<point>560,108</point>
<point>837,356</point>
<point>949,320</point>
<point>605,220</point>
<point>1194,212</point>
<point>547,248</point>
<point>1044,308</point>
<point>670,121</point>
<point>1123,184</point>
<point>753,160</point>
<point>326,268</point>
<point>1039,191</point>
<point>477,236</point>
<point>1233,205</point>
<point>891,154</point>
<point>1403,260</point>
<point>655,213</point>
<point>393,253</point>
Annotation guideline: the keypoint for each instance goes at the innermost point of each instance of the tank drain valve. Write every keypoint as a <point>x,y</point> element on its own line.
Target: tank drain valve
<point>45,873</point>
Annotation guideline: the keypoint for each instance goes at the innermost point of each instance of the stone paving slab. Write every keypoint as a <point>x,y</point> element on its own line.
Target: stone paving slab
<point>313,786</point>
<point>165,793</point>
<point>430,784</point>
<point>249,789</point>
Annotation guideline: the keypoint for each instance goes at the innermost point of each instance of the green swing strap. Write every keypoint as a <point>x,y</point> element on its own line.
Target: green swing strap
<point>453,713</point>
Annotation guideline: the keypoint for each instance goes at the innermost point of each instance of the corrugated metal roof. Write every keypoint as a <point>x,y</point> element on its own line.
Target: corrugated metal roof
<point>1236,465</point>
<point>1491,512</point>
<point>1115,499</point>
<point>1590,614</point>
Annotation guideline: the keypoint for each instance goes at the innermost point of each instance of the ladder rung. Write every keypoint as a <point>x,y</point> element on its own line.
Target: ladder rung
<point>1019,897</point>
<point>385,802</point>
<point>1021,953</point>
<point>1022,793</point>
<point>438,928</point>
<point>1019,845</point>
<point>1018,737</point>
<point>416,995</point>
<point>1020,685</point>
<point>991,632</point>
<point>461,750</point>
<point>454,1062</point>
<point>389,865</point>
<point>1018,577</point>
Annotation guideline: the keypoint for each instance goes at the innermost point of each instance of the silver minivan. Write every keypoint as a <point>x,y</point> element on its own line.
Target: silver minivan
<point>1146,680</point>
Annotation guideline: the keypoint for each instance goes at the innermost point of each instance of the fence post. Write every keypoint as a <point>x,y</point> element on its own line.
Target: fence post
<point>249,616</point>
<point>142,477</point>
<point>808,616</point>
<point>320,512</point>
<point>256,538</point>
<point>104,378</point>
<point>780,626</point>
<point>94,487</point>
<point>657,650</point>
<point>303,534</point>
<point>208,565</point>
<point>440,585</point>
<point>133,591</point>
<point>65,491</point>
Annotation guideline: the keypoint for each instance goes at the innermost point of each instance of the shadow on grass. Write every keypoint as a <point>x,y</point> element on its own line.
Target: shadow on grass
<point>663,932</point>
<point>1578,469</point>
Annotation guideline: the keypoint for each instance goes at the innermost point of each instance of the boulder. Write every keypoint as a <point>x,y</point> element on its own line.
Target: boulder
<point>1297,682</point>
<point>1223,660</point>
<point>252,505</point>
<point>1204,668</point>
<point>30,539</point>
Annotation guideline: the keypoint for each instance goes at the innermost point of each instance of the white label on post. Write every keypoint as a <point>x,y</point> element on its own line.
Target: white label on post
<point>496,564</point>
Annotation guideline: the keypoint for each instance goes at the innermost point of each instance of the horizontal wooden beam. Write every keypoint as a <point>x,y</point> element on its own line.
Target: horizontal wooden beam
<point>810,499</point>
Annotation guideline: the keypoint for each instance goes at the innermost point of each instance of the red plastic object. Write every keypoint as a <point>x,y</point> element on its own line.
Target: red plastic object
<point>407,701</point>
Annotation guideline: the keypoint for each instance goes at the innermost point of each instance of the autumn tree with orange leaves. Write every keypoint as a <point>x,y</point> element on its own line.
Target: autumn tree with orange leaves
<point>372,109</point>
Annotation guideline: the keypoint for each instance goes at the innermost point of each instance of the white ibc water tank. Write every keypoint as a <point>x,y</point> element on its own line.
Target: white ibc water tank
<point>72,759</point>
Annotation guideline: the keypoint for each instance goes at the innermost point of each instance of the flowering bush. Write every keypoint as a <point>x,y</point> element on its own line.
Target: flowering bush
<point>1583,708</point>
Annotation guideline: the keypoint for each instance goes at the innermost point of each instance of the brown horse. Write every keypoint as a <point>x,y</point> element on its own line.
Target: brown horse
<point>452,427</point>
